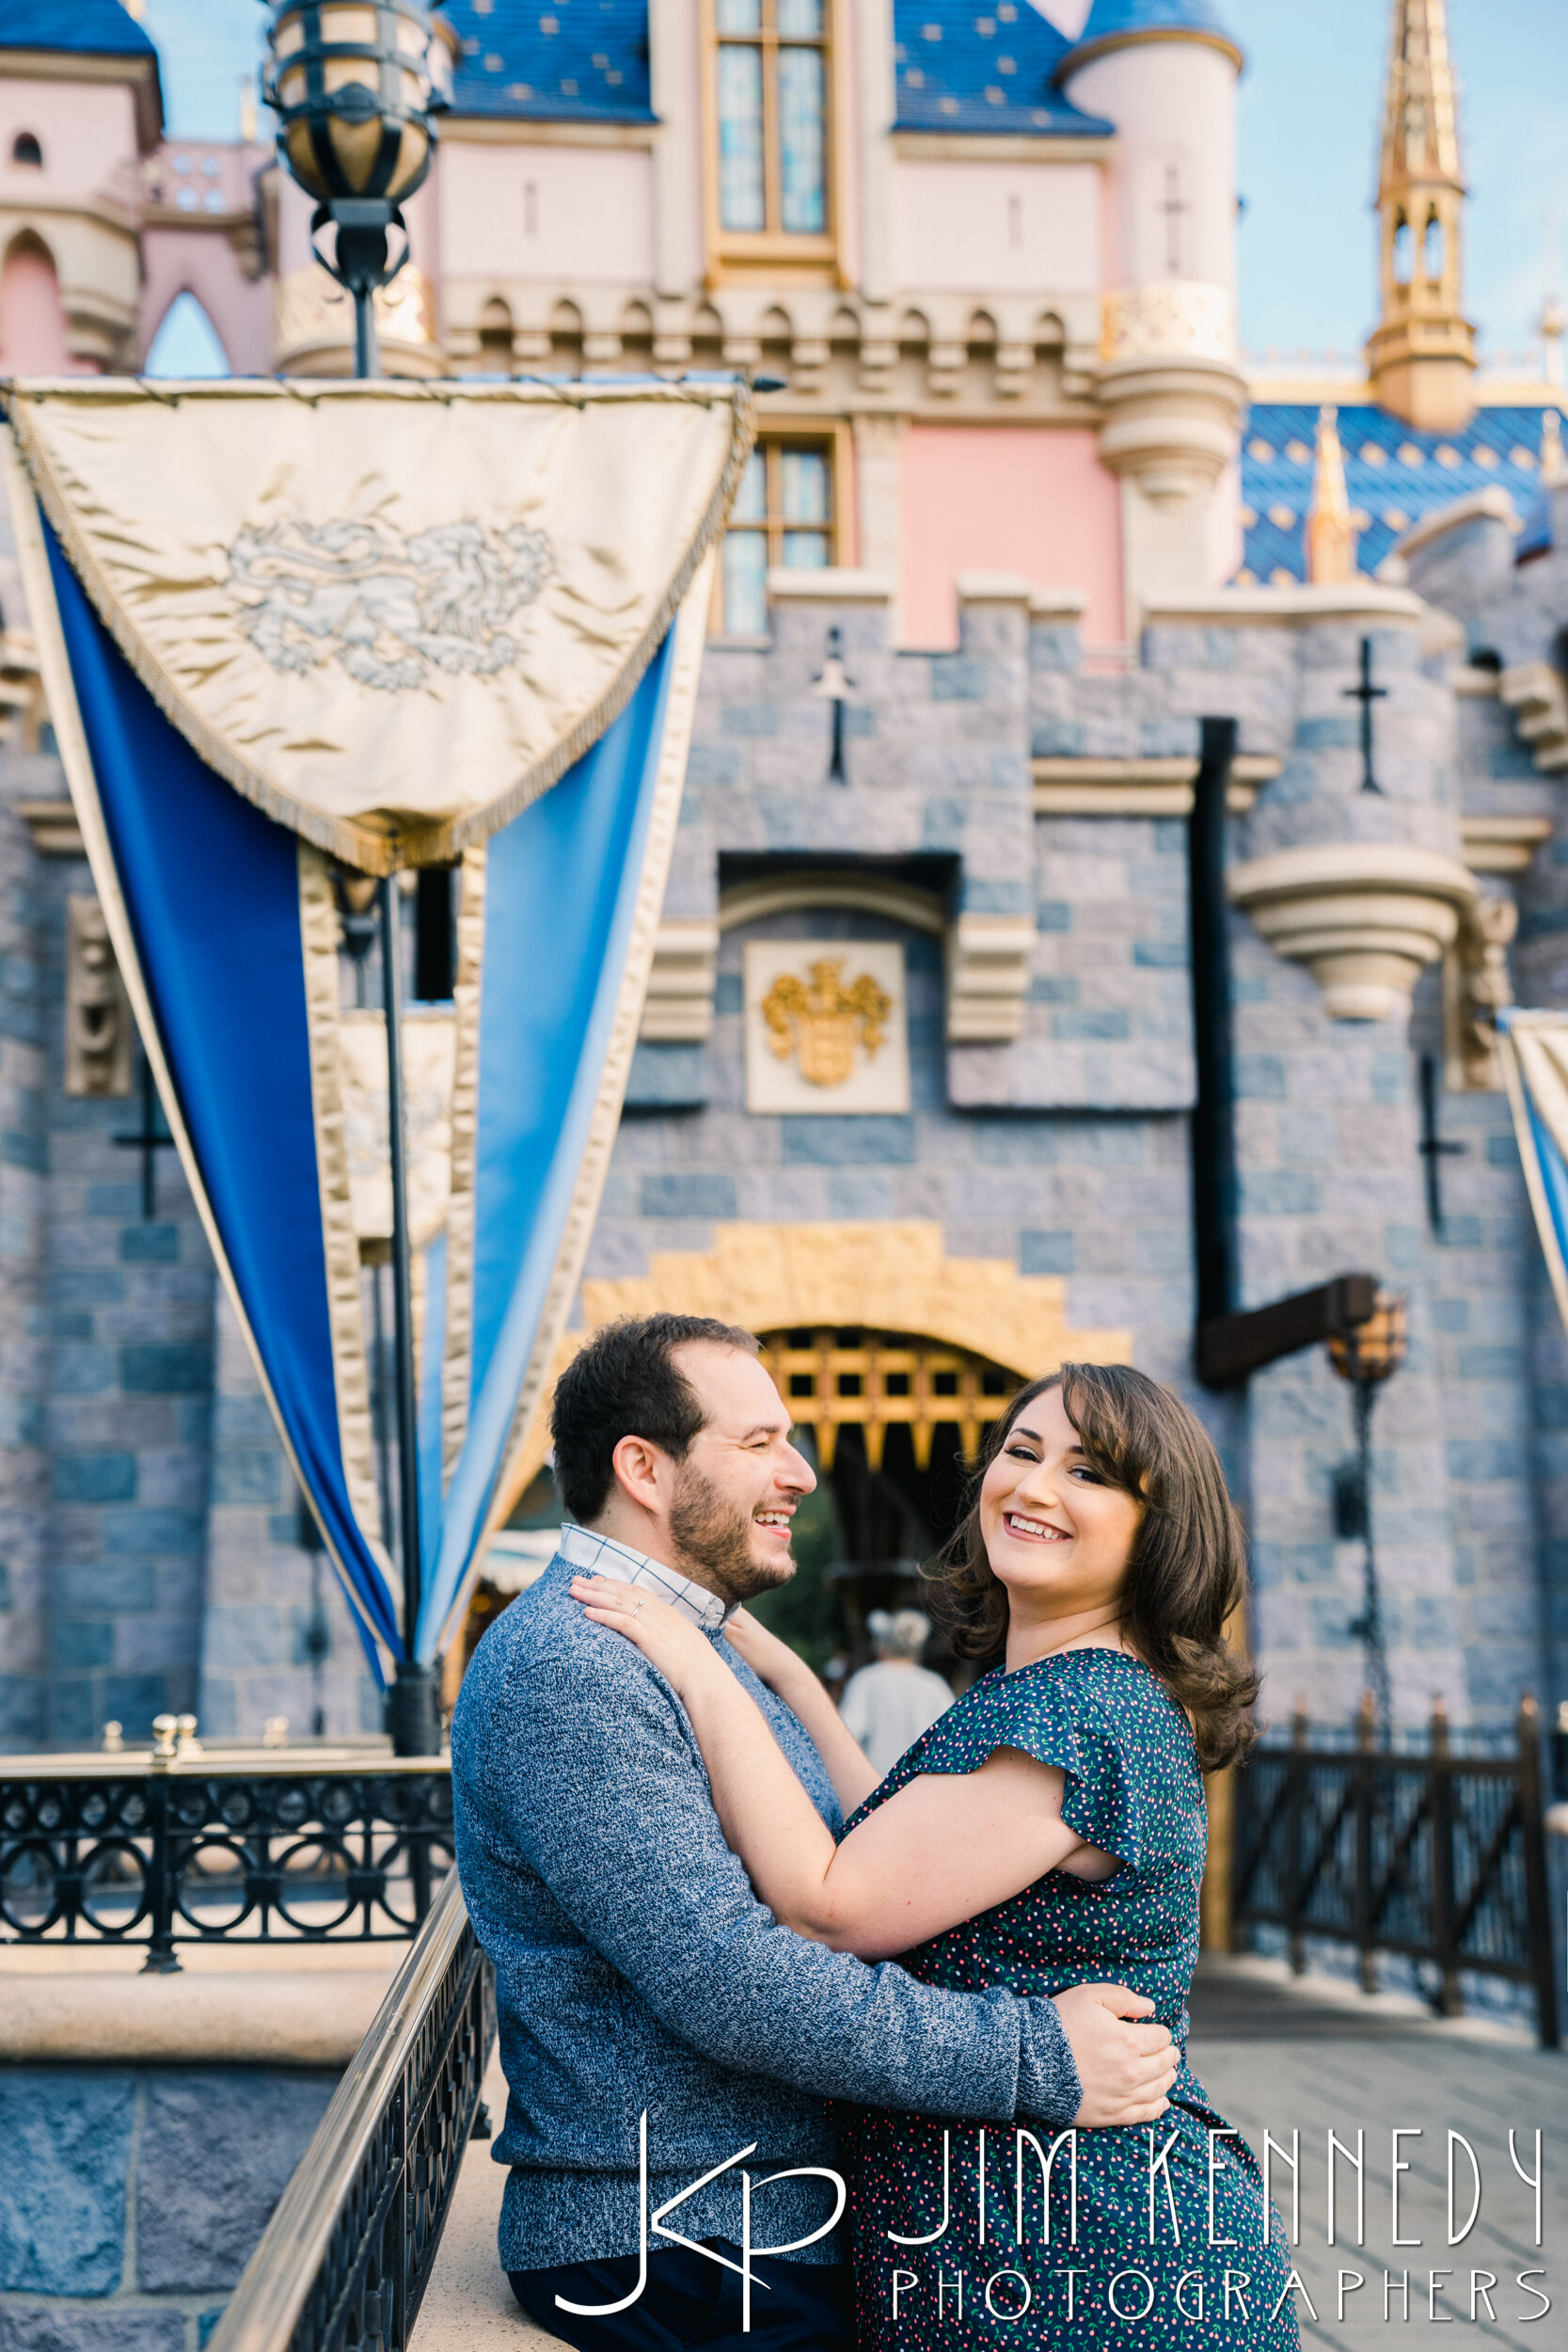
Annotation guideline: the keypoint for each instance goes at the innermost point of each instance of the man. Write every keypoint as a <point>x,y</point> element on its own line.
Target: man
<point>657,2024</point>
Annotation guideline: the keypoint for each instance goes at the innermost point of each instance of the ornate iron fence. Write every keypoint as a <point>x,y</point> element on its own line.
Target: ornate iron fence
<point>1439,1857</point>
<point>191,1848</point>
<point>345,2260</point>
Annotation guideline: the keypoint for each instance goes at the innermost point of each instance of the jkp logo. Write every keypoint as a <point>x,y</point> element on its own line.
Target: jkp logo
<point>749,2250</point>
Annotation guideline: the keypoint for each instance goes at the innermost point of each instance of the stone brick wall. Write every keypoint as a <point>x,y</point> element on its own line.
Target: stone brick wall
<point>277,1638</point>
<point>132,2198</point>
<point>152,1540</point>
<point>23,1340</point>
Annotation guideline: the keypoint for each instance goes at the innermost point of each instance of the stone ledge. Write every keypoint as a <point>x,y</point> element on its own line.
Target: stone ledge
<point>54,827</point>
<point>1292,608</point>
<point>294,2017</point>
<point>830,584</point>
<point>1503,845</point>
<point>1065,787</point>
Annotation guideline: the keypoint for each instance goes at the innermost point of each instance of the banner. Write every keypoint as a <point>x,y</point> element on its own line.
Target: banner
<point>482,650</point>
<point>1533,1050</point>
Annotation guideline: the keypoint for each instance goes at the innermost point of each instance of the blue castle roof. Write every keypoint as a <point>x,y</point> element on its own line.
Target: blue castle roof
<point>86,28</point>
<point>555,60</point>
<point>1394,474</point>
<point>961,65</point>
<point>982,65</point>
<point>1114,20</point>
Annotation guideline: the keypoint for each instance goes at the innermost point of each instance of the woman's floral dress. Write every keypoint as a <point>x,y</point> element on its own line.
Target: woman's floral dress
<point>1172,2247</point>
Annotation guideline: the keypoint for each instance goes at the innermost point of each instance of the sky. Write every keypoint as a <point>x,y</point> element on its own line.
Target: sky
<point>1310,117</point>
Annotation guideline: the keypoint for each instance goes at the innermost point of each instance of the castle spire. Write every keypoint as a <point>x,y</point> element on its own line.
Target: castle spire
<point>1421,357</point>
<point>1330,531</point>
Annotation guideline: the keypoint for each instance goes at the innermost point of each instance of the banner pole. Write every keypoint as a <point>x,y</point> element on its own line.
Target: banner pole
<point>413,1716</point>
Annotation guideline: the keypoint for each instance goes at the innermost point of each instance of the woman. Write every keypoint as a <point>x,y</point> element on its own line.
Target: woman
<point>886,1707</point>
<point>1048,1830</point>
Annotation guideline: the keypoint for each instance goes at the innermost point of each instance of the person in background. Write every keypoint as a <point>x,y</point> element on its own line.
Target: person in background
<point>886,1707</point>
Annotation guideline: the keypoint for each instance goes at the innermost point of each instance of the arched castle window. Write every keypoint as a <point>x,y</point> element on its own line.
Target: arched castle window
<point>771,70</point>
<point>495,338</point>
<point>1405,252</point>
<point>188,344</point>
<point>27,149</point>
<point>1434,247</point>
<point>33,337</point>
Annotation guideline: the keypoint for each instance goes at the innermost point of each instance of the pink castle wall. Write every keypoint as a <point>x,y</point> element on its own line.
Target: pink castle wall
<point>213,177</point>
<point>1008,227</point>
<point>1032,499</point>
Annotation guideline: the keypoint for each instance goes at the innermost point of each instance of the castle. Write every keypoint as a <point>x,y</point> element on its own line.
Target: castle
<point>915,1088</point>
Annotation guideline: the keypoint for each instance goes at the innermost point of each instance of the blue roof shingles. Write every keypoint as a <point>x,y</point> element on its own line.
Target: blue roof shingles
<point>554,61</point>
<point>982,65</point>
<point>1394,475</point>
<point>87,29</point>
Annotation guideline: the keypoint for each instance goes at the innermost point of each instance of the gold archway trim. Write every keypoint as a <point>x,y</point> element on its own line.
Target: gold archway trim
<point>887,1277</point>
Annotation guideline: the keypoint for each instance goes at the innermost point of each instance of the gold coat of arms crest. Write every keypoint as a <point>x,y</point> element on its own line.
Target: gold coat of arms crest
<point>821,1019</point>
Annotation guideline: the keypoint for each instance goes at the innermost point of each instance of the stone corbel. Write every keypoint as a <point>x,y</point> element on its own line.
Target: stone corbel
<point>944,365</point>
<point>1475,988</point>
<point>678,1008</point>
<point>1538,696</point>
<point>1365,916</point>
<point>989,958</point>
<point>21,704</point>
<point>97,1010</point>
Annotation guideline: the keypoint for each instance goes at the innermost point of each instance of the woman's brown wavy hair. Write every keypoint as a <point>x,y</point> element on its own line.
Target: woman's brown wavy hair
<point>1187,1568</point>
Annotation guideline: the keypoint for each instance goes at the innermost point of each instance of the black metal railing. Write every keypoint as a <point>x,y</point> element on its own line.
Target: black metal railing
<point>159,1850</point>
<point>1434,1856</point>
<point>344,2262</point>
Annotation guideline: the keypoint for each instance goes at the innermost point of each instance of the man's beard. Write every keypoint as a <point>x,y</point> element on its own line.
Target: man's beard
<point>715,1536</point>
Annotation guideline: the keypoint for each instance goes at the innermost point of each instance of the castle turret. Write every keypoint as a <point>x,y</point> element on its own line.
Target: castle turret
<point>83,108</point>
<point>1165,72</point>
<point>1421,357</point>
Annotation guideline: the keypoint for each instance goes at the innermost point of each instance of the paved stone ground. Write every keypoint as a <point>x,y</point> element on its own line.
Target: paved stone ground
<point>1315,2058</point>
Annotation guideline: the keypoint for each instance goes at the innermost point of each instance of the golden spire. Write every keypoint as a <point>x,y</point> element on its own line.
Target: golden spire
<point>1330,533</point>
<point>1422,355</point>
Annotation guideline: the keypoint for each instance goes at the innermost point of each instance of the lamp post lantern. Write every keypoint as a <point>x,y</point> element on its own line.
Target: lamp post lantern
<point>1366,1356</point>
<point>354,87</point>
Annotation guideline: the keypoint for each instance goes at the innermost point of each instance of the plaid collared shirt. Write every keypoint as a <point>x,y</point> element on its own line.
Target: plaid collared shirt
<point>598,1555</point>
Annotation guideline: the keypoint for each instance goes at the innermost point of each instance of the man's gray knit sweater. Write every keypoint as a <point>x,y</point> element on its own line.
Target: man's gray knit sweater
<point>635,1968</point>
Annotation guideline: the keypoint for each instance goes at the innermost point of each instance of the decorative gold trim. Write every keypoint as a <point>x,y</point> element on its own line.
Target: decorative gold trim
<point>538,1380</point>
<point>1139,38</point>
<point>881,1278</point>
<point>76,759</point>
<point>467,998</point>
<point>1005,146</point>
<point>867,894</point>
<point>461,129</point>
<point>318,940</point>
<point>371,848</point>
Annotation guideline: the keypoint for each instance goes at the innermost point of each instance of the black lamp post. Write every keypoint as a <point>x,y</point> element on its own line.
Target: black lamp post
<point>1366,1356</point>
<point>353,87</point>
<point>351,82</point>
